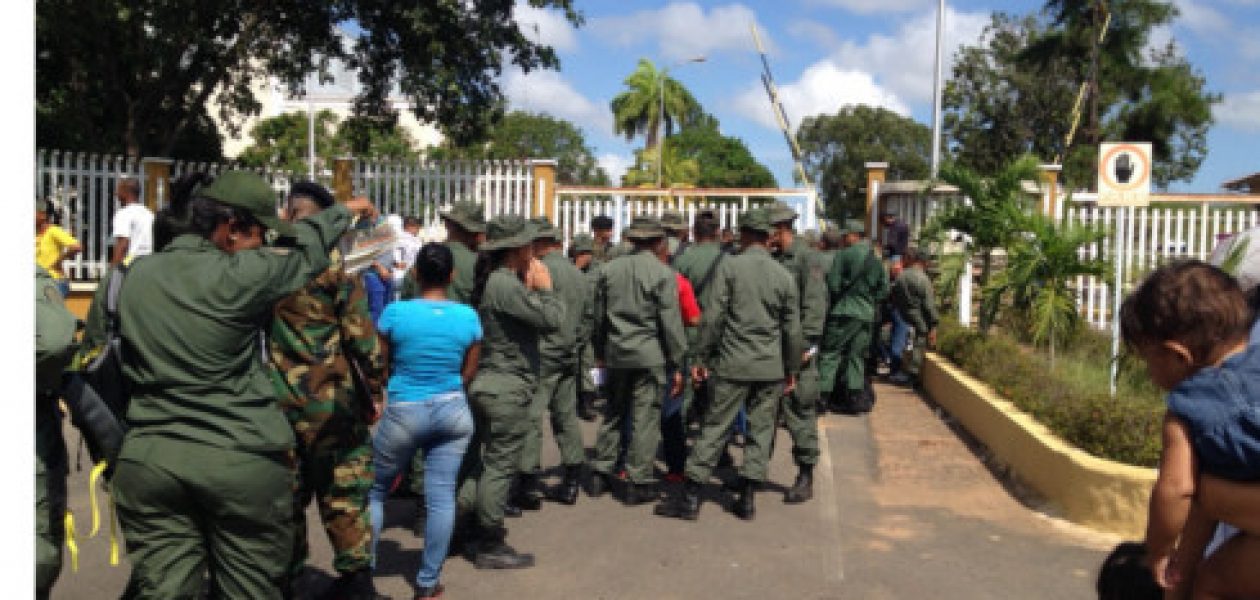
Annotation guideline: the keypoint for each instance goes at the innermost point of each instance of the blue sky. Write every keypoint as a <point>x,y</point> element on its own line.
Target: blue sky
<point>827,53</point>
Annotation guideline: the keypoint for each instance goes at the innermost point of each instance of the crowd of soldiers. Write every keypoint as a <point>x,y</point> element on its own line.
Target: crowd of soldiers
<point>787,329</point>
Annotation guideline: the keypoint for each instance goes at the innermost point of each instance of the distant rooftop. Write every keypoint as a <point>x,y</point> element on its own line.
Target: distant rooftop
<point>1249,184</point>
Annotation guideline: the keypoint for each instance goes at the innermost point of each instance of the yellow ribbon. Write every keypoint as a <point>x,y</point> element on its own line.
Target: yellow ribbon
<point>71,544</point>
<point>92,480</point>
<point>113,535</point>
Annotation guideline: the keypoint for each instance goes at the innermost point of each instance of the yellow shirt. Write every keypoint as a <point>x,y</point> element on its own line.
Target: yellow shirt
<point>49,246</point>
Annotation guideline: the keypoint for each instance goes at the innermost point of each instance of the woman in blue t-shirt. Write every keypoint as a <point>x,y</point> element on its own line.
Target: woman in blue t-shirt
<point>434,344</point>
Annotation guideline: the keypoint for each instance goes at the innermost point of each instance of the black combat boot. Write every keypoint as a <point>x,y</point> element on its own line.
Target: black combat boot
<point>524,492</point>
<point>682,506</point>
<point>598,484</point>
<point>743,507</point>
<point>803,488</point>
<point>491,552</point>
<point>567,491</point>
<point>640,493</point>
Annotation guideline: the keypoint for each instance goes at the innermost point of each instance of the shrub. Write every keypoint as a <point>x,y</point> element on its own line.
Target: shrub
<point>1072,398</point>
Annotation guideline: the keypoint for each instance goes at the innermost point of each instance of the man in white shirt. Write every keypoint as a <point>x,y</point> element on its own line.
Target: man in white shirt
<point>405,251</point>
<point>133,223</point>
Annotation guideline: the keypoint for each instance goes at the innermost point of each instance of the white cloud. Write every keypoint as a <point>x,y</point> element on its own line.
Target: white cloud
<point>867,7</point>
<point>1241,111</point>
<point>548,92</point>
<point>903,62</point>
<point>816,32</point>
<point>823,88</point>
<point>1201,18</point>
<point>615,165</point>
<point>545,27</point>
<point>685,30</point>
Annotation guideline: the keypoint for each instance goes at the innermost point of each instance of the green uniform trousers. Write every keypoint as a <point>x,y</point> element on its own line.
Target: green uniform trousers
<point>633,394</point>
<point>586,364</point>
<point>338,474</point>
<point>557,395</point>
<point>494,456</point>
<point>913,363</point>
<point>761,399</point>
<point>416,477</point>
<point>185,507</point>
<point>51,466</point>
<point>842,366</point>
<point>800,415</point>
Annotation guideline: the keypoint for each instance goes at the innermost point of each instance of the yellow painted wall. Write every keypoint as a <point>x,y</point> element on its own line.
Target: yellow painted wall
<point>1098,493</point>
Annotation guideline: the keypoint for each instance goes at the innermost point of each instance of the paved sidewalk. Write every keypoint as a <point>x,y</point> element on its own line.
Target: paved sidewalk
<point>902,509</point>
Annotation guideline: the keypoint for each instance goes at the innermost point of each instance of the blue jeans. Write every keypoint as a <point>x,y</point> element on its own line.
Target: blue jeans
<point>442,426</point>
<point>379,292</point>
<point>897,343</point>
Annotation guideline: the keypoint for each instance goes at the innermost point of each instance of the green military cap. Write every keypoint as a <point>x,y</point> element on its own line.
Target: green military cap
<point>644,227</point>
<point>854,226</point>
<point>249,191</point>
<point>780,212</point>
<point>582,242</point>
<point>673,220</point>
<point>508,231</point>
<point>466,214</point>
<point>544,229</point>
<point>755,219</point>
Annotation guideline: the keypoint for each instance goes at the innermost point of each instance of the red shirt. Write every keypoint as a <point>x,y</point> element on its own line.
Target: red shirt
<point>687,301</point>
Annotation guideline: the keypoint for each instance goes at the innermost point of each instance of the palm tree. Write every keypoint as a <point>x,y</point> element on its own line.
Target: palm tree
<point>637,111</point>
<point>1041,263</point>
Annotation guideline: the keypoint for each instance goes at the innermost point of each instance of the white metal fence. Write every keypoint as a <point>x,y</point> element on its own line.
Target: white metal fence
<point>1154,235</point>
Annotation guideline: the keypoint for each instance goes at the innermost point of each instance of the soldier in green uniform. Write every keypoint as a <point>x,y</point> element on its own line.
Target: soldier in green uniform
<point>316,334</point>
<point>639,337</point>
<point>911,295</point>
<point>675,225</point>
<point>750,346</point>
<point>698,263</point>
<point>54,346</point>
<point>602,233</point>
<point>204,478</point>
<point>800,407</point>
<point>514,299</point>
<point>856,282</point>
<point>557,378</point>
<point>465,225</point>
<point>582,253</point>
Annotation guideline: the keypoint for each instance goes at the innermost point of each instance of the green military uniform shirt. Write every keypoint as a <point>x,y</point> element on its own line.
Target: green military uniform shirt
<point>857,281</point>
<point>461,287</point>
<point>752,331</point>
<point>911,294</point>
<point>694,264</point>
<point>513,318</point>
<point>807,270</point>
<point>190,317</point>
<point>559,348</point>
<point>637,320</point>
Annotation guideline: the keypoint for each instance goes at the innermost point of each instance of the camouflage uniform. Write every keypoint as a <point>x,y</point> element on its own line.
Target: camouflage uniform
<point>311,334</point>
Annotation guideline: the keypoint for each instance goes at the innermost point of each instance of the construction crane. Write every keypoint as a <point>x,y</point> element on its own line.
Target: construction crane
<point>776,105</point>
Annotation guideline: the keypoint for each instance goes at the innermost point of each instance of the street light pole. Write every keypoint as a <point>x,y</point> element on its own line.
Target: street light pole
<point>660,140</point>
<point>936,89</point>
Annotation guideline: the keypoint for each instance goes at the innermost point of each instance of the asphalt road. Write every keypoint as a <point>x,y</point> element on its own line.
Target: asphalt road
<point>903,508</point>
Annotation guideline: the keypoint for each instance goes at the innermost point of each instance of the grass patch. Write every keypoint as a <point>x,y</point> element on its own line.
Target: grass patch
<point>1073,398</point>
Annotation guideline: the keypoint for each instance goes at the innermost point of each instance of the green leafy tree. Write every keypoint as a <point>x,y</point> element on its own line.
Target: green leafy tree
<point>527,135</point>
<point>724,161</point>
<point>1131,96</point>
<point>637,111</point>
<point>835,149</point>
<point>677,169</point>
<point>1041,263</point>
<point>142,77</point>
<point>994,214</point>
<point>282,142</point>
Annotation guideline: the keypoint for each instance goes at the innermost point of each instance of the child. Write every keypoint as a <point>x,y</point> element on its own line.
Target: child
<point>1124,576</point>
<point>1190,321</point>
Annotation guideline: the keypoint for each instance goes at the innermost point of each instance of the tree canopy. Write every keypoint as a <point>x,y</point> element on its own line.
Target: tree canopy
<point>637,111</point>
<point>528,135</point>
<point>141,77</point>
<point>835,149</point>
<point>282,141</point>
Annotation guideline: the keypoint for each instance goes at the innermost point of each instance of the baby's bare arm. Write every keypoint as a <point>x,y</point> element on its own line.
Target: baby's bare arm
<point>1170,499</point>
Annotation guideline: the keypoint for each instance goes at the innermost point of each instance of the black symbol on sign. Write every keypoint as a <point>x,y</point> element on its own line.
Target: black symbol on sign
<point>1124,169</point>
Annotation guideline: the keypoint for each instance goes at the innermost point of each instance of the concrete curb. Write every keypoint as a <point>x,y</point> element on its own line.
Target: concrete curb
<point>1098,493</point>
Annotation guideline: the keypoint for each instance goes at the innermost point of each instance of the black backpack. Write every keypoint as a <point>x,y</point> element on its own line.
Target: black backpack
<point>96,392</point>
